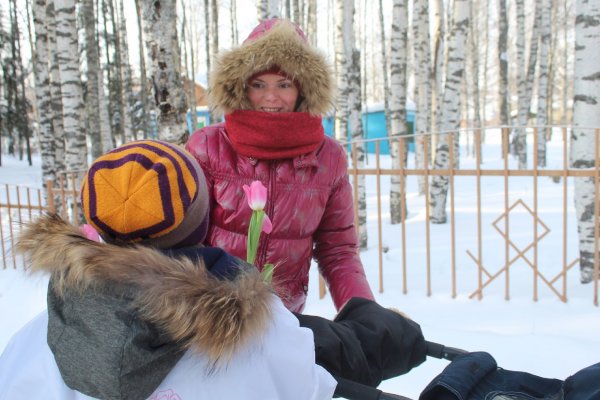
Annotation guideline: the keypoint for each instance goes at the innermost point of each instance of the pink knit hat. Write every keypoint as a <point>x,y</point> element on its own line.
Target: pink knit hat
<point>266,25</point>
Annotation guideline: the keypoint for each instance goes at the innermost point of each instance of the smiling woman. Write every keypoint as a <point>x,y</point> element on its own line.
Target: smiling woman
<point>274,90</point>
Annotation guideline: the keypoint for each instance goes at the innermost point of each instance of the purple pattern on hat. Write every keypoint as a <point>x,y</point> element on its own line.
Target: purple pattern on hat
<point>165,195</point>
<point>186,196</point>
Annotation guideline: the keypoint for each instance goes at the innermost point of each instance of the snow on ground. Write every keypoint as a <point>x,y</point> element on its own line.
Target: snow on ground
<point>546,337</point>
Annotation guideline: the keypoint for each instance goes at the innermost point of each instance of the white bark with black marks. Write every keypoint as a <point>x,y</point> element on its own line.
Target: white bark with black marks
<point>423,80</point>
<point>542,107</point>
<point>162,47</point>
<point>92,103</point>
<point>450,118</point>
<point>586,115</point>
<point>398,57</point>
<point>67,47</point>
<point>42,92</point>
<point>343,47</point>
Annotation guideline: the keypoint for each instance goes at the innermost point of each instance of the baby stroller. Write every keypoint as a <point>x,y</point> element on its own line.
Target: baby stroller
<point>366,344</point>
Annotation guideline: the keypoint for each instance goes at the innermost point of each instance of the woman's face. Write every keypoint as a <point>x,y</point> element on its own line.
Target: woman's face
<point>272,93</point>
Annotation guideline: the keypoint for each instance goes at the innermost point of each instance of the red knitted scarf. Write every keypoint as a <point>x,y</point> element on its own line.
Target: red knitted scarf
<point>270,136</point>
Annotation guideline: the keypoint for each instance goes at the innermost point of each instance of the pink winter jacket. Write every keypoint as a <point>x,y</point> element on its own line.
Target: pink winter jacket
<point>309,203</point>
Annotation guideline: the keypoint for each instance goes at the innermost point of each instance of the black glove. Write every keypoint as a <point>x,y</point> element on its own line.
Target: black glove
<point>366,342</point>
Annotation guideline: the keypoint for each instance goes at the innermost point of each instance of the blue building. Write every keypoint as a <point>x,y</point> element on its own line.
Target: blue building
<point>373,120</point>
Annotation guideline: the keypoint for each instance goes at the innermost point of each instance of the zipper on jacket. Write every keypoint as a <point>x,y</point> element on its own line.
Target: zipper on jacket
<point>264,239</point>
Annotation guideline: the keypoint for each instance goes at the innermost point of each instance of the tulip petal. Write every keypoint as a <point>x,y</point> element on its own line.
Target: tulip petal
<point>258,195</point>
<point>267,225</point>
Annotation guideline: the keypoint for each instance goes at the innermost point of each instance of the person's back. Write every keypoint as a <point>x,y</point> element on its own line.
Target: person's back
<point>144,315</point>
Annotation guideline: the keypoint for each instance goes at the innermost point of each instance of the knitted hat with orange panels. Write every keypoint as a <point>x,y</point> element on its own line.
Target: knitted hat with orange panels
<point>149,192</point>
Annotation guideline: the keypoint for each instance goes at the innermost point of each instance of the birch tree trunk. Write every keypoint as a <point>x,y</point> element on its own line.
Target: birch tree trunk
<point>353,90</point>
<point>68,61</point>
<point>105,126</point>
<point>117,83</point>
<point>343,47</point>
<point>520,138</point>
<point>450,108</point>
<point>160,32</point>
<point>55,87</point>
<point>211,117</point>
<point>398,59</point>
<point>586,114</point>
<point>145,108</point>
<point>193,101</point>
<point>42,92</point>
<point>267,9</point>
<point>422,84</point>
<point>311,23</point>
<point>503,102</point>
<point>518,142</point>
<point>437,86</point>
<point>474,44</point>
<point>214,28</point>
<point>384,58</point>
<point>233,22</point>
<point>93,68</point>
<point>127,85</point>
<point>542,109</point>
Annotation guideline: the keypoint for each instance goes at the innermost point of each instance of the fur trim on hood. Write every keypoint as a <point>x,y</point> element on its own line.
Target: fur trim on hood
<point>280,46</point>
<point>181,297</point>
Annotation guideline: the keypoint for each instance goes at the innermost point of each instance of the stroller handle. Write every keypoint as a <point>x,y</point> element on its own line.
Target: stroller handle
<point>437,350</point>
<point>357,391</point>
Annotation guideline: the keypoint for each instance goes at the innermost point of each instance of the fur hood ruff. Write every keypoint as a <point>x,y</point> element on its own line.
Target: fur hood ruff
<point>181,297</point>
<point>279,46</point>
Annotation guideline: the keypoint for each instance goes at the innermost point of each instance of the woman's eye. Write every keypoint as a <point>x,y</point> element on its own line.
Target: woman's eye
<point>285,85</point>
<point>256,85</point>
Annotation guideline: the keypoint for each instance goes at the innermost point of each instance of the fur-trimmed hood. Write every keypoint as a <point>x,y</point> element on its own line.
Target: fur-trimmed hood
<point>280,46</point>
<point>147,297</point>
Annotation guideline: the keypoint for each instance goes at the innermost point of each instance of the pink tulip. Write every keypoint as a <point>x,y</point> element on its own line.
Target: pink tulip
<point>256,194</point>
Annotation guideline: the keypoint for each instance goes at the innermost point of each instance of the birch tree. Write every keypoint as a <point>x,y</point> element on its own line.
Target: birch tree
<point>93,71</point>
<point>67,47</point>
<point>42,92</point>
<point>450,117</point>
<point>503,102</point>
<point>474,44</point>
<point>267,9</point>
<point>353,106</point>
<point>542,109</point>
<point>118,95</point>
<point>144,109</point>
<point>21,102</point>
<point>311,22</point>
<point>160,32</point>
<point>586,115</point>
<point>384,58</point>
<point>233,22</point>
<point>343,47</point>
<point>422,74</point>
<point>126,76</point>
<point>398,106</point>
<point>56,89</point>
